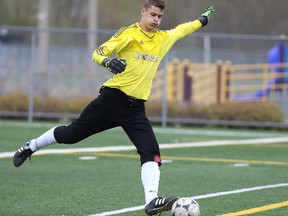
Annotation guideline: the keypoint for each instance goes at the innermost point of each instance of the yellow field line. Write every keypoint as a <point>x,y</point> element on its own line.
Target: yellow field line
<point>222,160</point>
<point>258,209</point>
<point>269,146</point>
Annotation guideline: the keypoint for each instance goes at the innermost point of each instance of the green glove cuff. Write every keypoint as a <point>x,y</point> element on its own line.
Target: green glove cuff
<point>105,63</point>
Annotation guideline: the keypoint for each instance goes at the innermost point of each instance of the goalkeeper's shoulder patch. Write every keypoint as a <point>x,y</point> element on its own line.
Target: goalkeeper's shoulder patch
<point>121,30</point>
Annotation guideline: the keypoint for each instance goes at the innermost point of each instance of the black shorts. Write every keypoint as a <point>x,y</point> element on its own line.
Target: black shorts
<point>113,108</point>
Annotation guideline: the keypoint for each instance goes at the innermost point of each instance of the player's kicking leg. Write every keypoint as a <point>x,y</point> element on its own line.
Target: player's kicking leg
<point>32,146</point>
<point>22,154</point>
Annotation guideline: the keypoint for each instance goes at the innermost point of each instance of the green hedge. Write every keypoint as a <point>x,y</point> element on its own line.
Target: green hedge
<point>237,111</point>
<point>240,111</point>
<point>19,102</point>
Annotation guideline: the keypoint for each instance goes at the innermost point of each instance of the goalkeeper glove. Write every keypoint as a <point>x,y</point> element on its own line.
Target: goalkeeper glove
<point>114,65</point>
<point>206,15</point>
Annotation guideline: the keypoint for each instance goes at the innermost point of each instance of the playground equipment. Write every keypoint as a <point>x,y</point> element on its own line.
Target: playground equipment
<point>277,57</point>
<point>205,84</point>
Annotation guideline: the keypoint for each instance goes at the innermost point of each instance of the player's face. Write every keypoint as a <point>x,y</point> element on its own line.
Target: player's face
<point>151,18</point>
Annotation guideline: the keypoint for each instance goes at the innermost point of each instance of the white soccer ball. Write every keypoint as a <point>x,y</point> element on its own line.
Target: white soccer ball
<point>185,206</point>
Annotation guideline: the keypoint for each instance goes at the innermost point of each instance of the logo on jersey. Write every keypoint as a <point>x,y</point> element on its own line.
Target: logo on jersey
<point>146,57</point>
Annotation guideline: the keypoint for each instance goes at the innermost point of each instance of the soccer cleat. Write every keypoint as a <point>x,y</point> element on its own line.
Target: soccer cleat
<point>22,154</point>
<point>159,205</point>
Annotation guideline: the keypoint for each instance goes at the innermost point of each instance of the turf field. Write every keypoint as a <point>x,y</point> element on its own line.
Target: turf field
<point>229,172</point>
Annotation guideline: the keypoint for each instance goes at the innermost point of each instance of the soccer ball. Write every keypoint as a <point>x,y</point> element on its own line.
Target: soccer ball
<point>185,206</point>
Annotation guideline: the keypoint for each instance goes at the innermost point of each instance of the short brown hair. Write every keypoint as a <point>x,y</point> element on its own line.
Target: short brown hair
<point>156,3</point>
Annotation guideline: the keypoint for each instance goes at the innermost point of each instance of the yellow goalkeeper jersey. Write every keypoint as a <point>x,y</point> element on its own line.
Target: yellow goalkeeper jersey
<point>143,52</point>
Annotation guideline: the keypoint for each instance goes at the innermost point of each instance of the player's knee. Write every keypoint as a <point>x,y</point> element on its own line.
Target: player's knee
<point>64,135</point>
<point>149,158</point>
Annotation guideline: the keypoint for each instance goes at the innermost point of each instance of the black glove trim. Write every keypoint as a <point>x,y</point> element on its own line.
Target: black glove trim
<point>203,20</point>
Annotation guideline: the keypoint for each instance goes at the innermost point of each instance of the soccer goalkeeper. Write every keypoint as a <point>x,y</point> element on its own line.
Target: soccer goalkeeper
<point>139,49</point>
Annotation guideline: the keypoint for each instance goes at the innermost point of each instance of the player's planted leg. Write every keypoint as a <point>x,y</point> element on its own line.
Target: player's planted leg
<point>150,175</point>
<point>159,204</point>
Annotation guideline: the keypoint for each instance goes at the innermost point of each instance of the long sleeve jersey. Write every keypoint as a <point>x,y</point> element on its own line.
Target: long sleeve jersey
<point>143,52</point>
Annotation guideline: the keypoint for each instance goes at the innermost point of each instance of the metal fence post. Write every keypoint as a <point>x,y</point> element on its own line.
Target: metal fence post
<point>207,49</point>
<point>164,98</point>
<point>31,78</point>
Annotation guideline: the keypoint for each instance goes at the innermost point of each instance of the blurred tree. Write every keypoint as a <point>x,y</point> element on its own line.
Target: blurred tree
<point>13,12</point>
<point>265,17</point>
<point>71,13</point>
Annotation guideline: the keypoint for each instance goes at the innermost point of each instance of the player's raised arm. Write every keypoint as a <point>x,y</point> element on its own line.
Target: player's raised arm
<point>188,28</point>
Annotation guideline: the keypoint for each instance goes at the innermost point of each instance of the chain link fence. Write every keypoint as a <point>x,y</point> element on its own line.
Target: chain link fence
<point>56,62</point>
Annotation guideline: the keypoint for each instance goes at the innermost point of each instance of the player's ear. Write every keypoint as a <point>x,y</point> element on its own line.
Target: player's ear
<point>143,11</point>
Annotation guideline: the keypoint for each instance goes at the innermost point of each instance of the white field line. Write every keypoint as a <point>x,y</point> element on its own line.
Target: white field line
<point>207,132</point>
<point>243,190</point>
<point>167,146</point>
<point>219,133</point>
<point>162,146</point>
